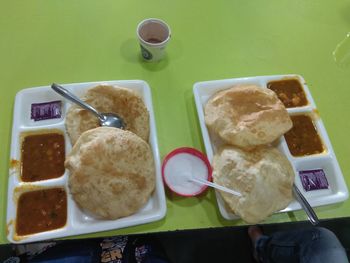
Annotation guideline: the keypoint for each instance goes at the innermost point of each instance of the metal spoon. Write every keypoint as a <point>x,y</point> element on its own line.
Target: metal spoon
<point>106,119</point>
<point>306,206</point>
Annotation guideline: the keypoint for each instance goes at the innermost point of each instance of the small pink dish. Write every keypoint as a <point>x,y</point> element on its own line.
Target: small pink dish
<point>180,165</point>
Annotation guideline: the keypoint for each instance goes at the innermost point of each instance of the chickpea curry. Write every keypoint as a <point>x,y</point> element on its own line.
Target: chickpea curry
<point>41,210</point>
<point>303,138</point>
<point>43,157</point>
<point>289,91</point>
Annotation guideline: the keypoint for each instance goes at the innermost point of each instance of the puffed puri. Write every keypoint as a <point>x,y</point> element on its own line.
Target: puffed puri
<point>112,172</point>
<point>124,102</point>
<point>247,116</point>
<point>264,177</point>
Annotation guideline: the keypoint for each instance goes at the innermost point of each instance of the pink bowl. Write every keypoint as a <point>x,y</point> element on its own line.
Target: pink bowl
<point>195,153</point>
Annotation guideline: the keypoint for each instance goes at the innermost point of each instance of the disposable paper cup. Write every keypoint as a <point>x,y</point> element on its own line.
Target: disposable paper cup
<point>153,34</point>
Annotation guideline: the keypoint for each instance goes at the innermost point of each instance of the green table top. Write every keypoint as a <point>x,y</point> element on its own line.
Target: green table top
<point>79,41</point>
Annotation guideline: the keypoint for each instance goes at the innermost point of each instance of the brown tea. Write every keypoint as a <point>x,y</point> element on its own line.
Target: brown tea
<point>153,40</point>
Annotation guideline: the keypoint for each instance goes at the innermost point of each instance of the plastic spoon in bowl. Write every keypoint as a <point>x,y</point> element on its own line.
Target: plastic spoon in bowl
<point>219,187</point>
<point>105,119</point>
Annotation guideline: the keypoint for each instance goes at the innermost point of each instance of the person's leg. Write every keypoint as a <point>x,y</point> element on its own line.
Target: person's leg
<point>279,247</point>
<point>301,245</point>
<point>323,247</point>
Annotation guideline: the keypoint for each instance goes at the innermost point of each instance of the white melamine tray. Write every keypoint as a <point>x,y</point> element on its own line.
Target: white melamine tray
<point>337,191</point>
<point>77,221</point>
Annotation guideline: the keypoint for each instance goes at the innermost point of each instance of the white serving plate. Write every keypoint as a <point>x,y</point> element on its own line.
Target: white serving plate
<point>337,191</point>
<point>77,221</point>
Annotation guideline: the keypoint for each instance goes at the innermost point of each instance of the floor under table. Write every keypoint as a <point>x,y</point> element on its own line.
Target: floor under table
<point>226,244</point>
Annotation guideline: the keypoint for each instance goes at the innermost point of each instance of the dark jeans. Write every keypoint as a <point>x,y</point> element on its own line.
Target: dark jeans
<point>301,245</point>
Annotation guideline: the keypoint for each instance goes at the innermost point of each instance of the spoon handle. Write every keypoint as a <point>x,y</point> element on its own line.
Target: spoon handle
<point>70,96</point>
<point>222,188</point>
<point>306,206</point>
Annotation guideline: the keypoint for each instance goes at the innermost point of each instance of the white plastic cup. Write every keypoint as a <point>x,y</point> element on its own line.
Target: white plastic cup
<point>153,34</point>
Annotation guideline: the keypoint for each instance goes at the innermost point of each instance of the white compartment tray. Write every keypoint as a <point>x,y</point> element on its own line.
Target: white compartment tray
<point>337,191</point>
<point>77,221</point>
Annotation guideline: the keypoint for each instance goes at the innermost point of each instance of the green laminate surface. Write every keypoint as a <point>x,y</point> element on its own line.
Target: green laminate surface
<point>69,41</point>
